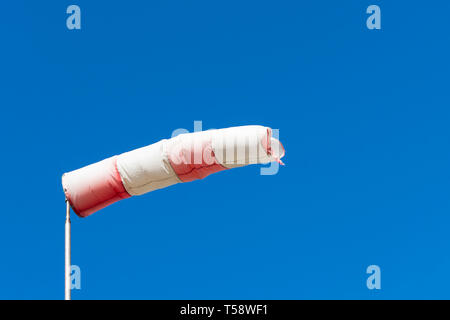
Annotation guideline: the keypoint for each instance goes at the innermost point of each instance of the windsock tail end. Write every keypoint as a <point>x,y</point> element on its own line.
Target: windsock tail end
<point>276,150</point>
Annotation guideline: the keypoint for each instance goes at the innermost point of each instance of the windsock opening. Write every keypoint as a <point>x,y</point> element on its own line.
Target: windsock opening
<point>94,187</point>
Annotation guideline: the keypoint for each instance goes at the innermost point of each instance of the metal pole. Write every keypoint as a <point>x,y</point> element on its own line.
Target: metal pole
<point>67,254</point>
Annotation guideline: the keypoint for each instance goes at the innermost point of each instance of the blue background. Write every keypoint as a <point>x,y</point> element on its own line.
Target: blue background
<point>363,115</point>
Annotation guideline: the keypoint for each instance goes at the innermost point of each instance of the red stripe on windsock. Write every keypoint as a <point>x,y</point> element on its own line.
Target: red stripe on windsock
<point>193,160</point>
<point>94,187</point>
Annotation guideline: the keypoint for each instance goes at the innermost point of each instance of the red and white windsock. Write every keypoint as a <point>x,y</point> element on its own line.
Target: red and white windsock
<point>184,158</point>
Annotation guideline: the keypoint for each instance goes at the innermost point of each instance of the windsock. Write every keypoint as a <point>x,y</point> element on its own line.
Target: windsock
<point>184,158</point>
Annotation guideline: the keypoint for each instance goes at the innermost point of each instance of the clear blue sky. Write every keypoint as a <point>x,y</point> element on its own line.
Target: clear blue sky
<point>364,116</point>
